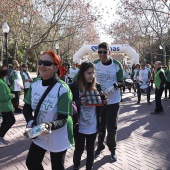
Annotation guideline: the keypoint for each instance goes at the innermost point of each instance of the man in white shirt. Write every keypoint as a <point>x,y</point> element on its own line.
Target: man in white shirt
<point>109,74</point>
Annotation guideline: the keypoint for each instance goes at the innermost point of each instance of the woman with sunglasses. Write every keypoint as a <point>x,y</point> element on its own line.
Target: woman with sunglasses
<point>88,115</point>
<point>53,111</point>
<point>16,87</point>
<point>6,107</point>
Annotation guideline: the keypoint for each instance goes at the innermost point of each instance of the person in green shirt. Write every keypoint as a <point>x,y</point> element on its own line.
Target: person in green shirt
<point>160,81</point>
<point>6,107</point>
<point>167,85</point>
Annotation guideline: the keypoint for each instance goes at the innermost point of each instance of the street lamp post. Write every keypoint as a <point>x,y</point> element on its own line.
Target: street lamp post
<point>5,29</point>
<point>57,48</point>
<point>164,53</point>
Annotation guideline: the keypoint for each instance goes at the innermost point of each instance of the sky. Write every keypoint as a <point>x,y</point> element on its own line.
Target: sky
<point>107,9</point>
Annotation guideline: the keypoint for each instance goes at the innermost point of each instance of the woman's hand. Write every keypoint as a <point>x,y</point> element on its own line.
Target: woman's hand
<point>29,124</point>
<point>48,127</point>
<point>45,132</point>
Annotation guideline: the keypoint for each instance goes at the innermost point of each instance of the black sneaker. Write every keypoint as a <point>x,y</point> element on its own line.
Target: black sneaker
<point>154,113</point>
<point>138,102</point>
<point>113,156</point>
<point>98,151</point>
<point>149,103</point>
<point>162,111</point>
<point>18,110</point>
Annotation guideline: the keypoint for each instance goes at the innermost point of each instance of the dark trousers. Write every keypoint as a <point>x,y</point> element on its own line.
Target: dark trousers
<point>8,120</point>
<point>15,100</point>
<point>167,88</point>
<point>25,91</point>
<point>79,148</point>
<point>158,95</point>
<point>109,118</point>
<point>36,155</point>
<point>151,83</point>
<point>135,86</point>
<point>139,93</point>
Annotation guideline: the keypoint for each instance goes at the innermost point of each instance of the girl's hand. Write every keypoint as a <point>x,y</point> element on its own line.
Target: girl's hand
<point>105,101</point>
<point>83,101</point>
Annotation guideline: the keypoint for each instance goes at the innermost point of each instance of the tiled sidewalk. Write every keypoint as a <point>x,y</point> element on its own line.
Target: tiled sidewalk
<point>143,141</point>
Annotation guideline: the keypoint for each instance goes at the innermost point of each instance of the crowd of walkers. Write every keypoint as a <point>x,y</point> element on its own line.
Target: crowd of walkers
<point>141,78</point>
<point>96,90</point>
<point>13,79</point>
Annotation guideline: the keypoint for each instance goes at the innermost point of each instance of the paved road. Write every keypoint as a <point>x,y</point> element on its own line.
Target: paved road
<point>143,141</point>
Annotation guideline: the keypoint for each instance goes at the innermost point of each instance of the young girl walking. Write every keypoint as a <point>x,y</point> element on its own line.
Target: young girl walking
<point>86,92</point>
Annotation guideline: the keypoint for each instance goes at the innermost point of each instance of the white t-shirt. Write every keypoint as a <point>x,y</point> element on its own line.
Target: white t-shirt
<point>73,72</point>
<point>135,72</point>
<point>18,83</point>
<point>88,120</point>
<point>106,76</point>
<point>143,75</point>
<point>27,83</point>
<point>57,141</point>
<point>126,74</point>
<point>149,69</point>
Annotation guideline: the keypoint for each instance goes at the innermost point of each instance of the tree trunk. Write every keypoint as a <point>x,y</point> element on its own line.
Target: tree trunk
<point>25,56</point>
<point>15,50</point>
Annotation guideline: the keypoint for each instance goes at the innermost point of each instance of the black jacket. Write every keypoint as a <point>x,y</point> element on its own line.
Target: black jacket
<point>75,91</point>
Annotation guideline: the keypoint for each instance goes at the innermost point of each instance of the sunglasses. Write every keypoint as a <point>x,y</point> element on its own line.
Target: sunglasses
<point>17,67</point>
<point>45,63</point>
<point>100,52</point>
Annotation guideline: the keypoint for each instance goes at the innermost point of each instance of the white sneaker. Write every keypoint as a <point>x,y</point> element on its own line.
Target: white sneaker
<point>3,141</point>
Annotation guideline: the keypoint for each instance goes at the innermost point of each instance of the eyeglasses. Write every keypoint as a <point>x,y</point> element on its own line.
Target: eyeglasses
<point>17,67</point>
<point>45,63</point>
<point>100,52</point>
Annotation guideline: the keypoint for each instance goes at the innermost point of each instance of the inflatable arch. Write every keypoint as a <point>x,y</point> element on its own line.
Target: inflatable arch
<point>114,48</point>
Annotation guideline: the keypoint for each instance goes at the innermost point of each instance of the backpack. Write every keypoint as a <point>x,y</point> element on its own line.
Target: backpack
<point>75,117</point>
